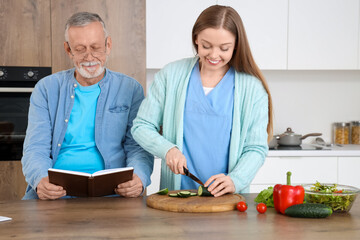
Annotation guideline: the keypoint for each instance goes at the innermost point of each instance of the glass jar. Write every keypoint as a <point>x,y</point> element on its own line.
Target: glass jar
<point>355,132</point>
<point>341,133</point>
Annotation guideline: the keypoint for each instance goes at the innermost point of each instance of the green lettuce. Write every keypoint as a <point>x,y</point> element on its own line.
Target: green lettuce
<point>266,196</point>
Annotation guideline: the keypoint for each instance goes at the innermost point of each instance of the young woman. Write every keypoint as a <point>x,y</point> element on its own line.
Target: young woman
<point>214,109</point>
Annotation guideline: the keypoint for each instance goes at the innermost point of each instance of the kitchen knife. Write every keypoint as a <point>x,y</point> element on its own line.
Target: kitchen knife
<point>187,173</point>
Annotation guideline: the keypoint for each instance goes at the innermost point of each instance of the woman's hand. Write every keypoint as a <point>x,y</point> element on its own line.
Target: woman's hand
<point>220,185</point>
<point>175,160</point>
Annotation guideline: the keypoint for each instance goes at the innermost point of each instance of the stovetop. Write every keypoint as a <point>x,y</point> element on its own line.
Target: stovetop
<point>306,147</point>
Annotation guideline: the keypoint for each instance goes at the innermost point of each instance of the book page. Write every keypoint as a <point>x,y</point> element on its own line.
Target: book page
<point>3,219</point>
<point>70,172</point>
<point>111,170</point>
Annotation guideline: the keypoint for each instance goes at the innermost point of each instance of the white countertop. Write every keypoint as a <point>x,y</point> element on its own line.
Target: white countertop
<point>349,150</point>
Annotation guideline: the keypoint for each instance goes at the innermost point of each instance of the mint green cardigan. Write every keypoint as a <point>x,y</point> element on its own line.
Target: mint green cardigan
<point>164,106</point>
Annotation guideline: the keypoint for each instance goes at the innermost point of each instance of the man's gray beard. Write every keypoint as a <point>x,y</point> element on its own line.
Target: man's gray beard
<point>86,74</point>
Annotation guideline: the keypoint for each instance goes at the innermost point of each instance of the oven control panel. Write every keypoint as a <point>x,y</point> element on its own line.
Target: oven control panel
<point>22,76</point>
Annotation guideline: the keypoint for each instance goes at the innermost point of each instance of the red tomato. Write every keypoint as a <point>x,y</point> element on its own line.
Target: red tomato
<point>261,208</point>
<point>241,206</point>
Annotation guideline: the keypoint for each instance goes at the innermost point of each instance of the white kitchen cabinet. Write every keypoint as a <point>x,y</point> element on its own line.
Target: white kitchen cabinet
<point>169,25</point>
<point>349,168</point>
<point>359,45</point>
<point>283,34</point>
<point>323,34</point>
<point>304,170</point>
<point>155,177</point>
<point>266,27</point>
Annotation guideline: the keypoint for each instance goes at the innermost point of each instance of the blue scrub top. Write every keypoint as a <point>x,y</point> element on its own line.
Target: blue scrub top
<point>207,127</point>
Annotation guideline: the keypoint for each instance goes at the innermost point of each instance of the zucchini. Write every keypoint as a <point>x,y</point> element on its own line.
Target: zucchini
<point>203,191</point>
<point>173,195</point>
<point>309,210</point>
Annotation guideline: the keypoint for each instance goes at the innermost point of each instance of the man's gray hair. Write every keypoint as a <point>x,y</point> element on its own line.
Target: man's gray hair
<point>82,19</point>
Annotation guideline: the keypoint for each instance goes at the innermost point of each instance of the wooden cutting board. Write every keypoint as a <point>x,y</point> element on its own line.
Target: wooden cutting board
<point>194,204</point>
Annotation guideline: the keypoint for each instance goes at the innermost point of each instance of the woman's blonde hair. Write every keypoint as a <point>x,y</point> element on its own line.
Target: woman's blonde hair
<point>218,16</point>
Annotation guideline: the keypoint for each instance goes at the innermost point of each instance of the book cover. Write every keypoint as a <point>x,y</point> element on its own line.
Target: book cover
<point>100,183</point>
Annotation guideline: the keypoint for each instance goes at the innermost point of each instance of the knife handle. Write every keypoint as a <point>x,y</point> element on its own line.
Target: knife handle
<point>186,171</point>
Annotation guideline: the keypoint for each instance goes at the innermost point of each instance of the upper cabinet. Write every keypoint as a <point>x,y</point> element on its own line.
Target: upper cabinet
<point>25,33</point>
<point>168,29</point>
<point>323,34</point>
<point>283,34</point>
<point>266,27</point>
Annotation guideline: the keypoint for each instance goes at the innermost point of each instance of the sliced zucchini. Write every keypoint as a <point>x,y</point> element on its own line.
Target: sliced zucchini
<point>193,194</point>
<point>173,195</point>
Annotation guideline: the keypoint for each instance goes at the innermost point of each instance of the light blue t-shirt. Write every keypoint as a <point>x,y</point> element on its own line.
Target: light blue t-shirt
<point>207,127</point>
<point>78,151</point>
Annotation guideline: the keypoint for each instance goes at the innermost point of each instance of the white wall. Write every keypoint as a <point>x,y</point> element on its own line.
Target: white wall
<point>307,101</point>
<point>310,100</point>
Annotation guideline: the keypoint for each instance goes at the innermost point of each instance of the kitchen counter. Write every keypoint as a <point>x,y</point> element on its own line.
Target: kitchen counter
<point>120,218</point>
<point>350,150</point>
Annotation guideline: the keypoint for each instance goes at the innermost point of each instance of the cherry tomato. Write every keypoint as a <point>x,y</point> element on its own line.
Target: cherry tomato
<point>261,208</point>
<point>241,206</point>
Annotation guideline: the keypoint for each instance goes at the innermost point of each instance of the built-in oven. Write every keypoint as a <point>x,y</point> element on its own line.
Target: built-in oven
<point>16,85</point>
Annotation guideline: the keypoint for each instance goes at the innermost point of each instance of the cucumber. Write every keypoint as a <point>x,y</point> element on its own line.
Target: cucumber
<point>184,194</point>
<point>308,210</point>
<point>203,191</point>
<point>163,191</point>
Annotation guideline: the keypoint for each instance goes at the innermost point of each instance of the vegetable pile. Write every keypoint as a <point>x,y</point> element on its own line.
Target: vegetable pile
<point>289,200</point>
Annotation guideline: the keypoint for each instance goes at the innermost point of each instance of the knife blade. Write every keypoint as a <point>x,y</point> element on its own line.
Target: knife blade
<point>190,175</point>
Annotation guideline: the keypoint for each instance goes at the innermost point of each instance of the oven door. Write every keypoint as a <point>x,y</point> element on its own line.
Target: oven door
<point>14,108</point>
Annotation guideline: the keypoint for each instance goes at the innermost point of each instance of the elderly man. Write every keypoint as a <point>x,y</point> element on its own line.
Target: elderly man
<point>80,119</point>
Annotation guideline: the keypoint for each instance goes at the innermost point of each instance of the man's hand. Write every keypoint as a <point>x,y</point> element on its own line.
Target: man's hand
<point>132,188</point>
<point>176,161</point>
<point>220,185</point>
<point>46,190</point>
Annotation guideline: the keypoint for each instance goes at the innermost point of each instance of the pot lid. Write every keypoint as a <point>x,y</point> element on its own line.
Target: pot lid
<point>289,132</point>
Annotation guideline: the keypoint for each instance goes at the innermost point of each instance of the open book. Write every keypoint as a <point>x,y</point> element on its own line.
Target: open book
<point>100,183</point>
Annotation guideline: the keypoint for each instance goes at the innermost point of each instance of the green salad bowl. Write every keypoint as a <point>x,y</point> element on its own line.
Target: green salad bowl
<point>339,197</point>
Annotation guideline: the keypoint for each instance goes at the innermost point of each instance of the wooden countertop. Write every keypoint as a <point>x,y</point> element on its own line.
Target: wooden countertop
<point>120,218</point>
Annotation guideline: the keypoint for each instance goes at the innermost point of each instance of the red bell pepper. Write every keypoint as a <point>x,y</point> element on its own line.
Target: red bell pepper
<point>286,195</point>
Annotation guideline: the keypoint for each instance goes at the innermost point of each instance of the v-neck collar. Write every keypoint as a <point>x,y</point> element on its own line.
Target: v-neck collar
<point>205,99</point>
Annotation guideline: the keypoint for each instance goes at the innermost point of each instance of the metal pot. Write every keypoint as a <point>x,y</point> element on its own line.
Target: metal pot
<point>289,138</point>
